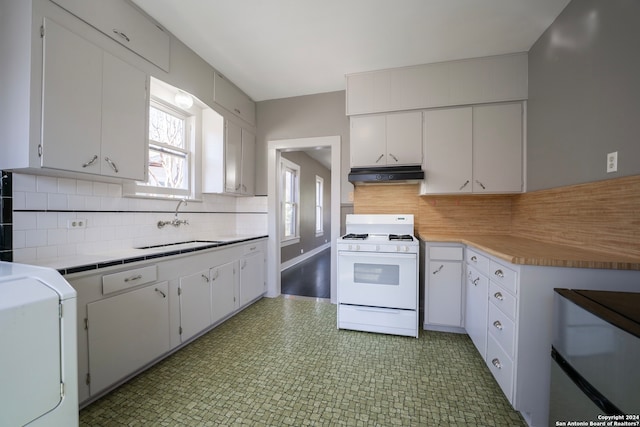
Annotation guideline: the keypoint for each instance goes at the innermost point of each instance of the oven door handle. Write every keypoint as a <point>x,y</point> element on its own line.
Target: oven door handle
<point>386,255</point>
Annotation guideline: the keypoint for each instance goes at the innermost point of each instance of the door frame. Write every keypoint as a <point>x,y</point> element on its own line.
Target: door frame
<point>274,150</point>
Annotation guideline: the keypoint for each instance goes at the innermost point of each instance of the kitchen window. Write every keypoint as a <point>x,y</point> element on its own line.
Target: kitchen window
<point>290,202</point>
<point>319,206</point>
<point>172,143</point>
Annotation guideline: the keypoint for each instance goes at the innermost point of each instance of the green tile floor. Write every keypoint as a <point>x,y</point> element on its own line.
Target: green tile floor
<point>282,362</point>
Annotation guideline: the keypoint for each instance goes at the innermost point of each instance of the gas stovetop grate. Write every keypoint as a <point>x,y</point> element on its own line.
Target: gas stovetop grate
<point>403,237</point>
<point>354,236</point>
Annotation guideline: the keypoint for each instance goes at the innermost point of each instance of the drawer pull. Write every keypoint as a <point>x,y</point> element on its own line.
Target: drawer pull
<point>161,293</point>
<point>498,325</point>
<point>474,258</point>
<point>475,281</point>
<point>499,273</point>
<point>439,269</point>
<point>498,296</point>
<point>496,362</point>
<point>133,278</point>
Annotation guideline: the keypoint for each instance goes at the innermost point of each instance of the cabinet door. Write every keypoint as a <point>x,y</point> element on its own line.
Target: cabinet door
<point>224,290</point>
<point>497,148</point>
<point>447,150</point>
<point>368,141</point>
<point>248,162</point>
<point>71,101</point>
<point>195,304</point>
<point>251,277</point>
<point>476,309</point>
<point>404,138</point>
<point>444,293</point>
<point>233,99</point>
<point>232,157</point>
<point>126,332</point>
<point>124,120</point>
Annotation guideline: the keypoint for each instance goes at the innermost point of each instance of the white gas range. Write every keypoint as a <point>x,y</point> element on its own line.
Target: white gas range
<point>378,275</point>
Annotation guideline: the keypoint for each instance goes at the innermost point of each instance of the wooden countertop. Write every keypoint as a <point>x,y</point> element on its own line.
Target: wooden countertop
<point>519,250</point>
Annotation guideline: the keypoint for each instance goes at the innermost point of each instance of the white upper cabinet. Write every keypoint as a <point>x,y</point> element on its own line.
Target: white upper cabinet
<point>497,148</point>
<point>473,149</point>
<point>386,139</point>
<point>125,24</point>
<point>94,108</point>
<point>447,151</point>
<point>227,95</point>
<point>463,82</point>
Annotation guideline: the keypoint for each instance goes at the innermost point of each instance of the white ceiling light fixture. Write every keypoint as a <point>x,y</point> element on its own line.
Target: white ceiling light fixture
<point>183,100</point>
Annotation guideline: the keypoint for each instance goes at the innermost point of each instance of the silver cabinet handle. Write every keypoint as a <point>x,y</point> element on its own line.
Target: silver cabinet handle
<point>439,269</point>
<point>244,187</point>
<point>121,35</point>
<point>113,165</point>
<point>244,264</point>
<point>161,293</point>
<point>497,325</point>
<point>499,273</point>
<point>205,278</point>
<point>393,157</point>
<point>90,162</point>
<point>237,187</point>
<point>496,362</point>
<point>474,258</point>
<point>237,111</point>
<point>475,281</point>
<point>133,278</point>
<point>498,296</point>
<point>381,156</point>
<point>481,184</point>
<point>216,275</point>
<point>464,185</point>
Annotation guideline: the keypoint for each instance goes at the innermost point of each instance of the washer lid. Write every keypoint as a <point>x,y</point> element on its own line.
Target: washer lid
<point>30,362</point>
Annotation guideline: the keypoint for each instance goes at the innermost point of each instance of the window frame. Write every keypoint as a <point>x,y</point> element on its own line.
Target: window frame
<point>285,166</point>
<point>319,211</point>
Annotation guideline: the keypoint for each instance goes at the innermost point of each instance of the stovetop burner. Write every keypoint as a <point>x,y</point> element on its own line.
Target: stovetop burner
<point>354,236</point>
<point>403,237</point>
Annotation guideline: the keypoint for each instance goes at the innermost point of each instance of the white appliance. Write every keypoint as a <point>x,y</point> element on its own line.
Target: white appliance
<point>378,275</point>
<point>38,358</point>
<point>595,353</point>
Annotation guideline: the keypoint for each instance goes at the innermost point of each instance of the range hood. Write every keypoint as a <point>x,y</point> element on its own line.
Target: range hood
<point>389,174</point>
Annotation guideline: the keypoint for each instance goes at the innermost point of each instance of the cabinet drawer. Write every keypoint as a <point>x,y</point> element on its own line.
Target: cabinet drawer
<point>501,366</point>
<point>504,276</point>
<point>250,249</point>
<point>448,253</point>
<point>502,299</point>
<point>480,262</point>
<point>503,329</point>
<point>128,279</point>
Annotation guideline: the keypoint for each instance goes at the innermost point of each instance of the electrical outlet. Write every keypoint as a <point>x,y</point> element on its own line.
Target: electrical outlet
<point>612,162</point>
<point>77,223</point>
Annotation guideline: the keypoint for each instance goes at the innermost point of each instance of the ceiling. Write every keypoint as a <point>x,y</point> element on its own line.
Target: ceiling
<point>282,48</point>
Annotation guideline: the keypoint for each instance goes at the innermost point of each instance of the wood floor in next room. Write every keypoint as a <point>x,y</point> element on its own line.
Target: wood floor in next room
<point>282,362</point>
<point>310,278</point>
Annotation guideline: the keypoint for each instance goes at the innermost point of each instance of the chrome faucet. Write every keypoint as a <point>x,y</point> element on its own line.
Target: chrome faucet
<point>175,222</point>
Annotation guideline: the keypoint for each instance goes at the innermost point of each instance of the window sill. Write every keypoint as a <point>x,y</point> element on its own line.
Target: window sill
<point>288,242</point>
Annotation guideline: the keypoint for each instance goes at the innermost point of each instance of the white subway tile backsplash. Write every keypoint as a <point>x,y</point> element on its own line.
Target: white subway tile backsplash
<point>115,222</point>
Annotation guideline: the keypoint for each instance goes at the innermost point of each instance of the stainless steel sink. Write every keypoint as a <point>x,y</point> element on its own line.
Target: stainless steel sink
<point>186,242</point>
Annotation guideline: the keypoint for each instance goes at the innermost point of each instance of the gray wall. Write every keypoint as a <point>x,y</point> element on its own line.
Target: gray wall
<point>309,168</point>
<point>307,116</point>
<point>584,95</point>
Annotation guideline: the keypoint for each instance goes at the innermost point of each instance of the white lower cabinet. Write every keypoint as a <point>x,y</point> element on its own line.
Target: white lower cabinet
<point>224,290</point>
<point>131,317</point>
<point>195,305</point>
<point>444,294</point>
<point>251,277</point>
<point>476,308</point>
<point>126,332</point>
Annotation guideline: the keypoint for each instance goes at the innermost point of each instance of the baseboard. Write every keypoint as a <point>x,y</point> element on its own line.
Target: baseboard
<point>297,260</point>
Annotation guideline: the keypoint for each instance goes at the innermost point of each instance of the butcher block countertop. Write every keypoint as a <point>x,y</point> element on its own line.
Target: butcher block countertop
<point>519,250</point>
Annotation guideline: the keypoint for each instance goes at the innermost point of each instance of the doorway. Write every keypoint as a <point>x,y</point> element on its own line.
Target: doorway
<point>275,148</point>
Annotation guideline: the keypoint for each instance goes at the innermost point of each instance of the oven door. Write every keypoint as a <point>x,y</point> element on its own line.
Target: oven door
<point>378,279</point>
